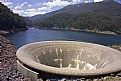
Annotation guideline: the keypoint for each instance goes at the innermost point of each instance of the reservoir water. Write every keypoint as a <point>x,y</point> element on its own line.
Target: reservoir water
<point>36,35</point>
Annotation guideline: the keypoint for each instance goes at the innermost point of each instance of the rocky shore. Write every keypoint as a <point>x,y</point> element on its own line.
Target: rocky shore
<point>3,32</point>
<point>8,69</point>
<point>83,30</point>
<point>118,47</point>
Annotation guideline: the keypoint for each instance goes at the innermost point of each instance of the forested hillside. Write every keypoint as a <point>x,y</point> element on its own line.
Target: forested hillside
<point>111,8</point>
<point>100,16</point>
<point>9,20</point>
<point>83,21</point>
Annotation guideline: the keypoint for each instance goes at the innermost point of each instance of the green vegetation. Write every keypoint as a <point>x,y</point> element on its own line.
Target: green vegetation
<point>111,8</point>
<point>9,20</point>
<point>83,21</point>
<point>101,17</point>
<point>28,22</point>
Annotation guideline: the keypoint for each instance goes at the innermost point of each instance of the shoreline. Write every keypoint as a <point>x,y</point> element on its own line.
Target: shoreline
<point>13,31</point>
<point>117,46</point>
<point>93,31</point>
<point>102,32</point>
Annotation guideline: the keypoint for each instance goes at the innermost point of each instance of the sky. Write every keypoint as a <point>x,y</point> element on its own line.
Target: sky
<point>29,8</point>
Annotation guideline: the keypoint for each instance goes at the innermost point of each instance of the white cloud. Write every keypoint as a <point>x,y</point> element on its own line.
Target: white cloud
<point>6,3</point>
<point>17,7</point>
<point>33,13</point>
<point>31,10</point>
<point>20,6</point>
<point>39,4</point>
<point>43,8</point>
<point>1,1</point>
<point>18,11</point>
<point>29,5</point>
<point>76,1</point>
<point>55,3</point>
<point>97,0</point>
<point>23,4</point>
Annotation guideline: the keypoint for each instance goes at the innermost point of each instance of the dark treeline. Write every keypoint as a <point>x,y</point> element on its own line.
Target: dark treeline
<point>29,22</point>
<point>85,21</point>
<point>9,20</point>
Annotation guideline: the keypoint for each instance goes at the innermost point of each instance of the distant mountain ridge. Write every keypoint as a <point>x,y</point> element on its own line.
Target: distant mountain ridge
<point>101,17</point>
<point>86,21</point>
<point>109,7</point>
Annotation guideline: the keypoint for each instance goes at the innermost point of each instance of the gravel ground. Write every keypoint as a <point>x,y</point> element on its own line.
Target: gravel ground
<point>8,69</point>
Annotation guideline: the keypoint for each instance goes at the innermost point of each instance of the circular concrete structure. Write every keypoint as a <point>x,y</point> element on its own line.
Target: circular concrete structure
<point>70,58</point>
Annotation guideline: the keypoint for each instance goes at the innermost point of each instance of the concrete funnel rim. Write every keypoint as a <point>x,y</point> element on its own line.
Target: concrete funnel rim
<point>25,59</point>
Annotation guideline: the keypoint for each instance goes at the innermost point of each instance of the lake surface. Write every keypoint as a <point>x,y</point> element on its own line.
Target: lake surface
<point>35,35</point>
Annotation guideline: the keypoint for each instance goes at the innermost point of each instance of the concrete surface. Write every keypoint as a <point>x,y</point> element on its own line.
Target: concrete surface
<point>70,58</point>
